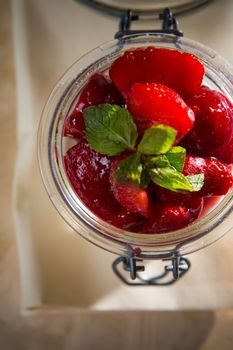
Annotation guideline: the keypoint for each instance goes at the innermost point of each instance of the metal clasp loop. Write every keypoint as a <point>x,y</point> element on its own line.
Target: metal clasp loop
<point>179,266</point>
<point>169,24</point>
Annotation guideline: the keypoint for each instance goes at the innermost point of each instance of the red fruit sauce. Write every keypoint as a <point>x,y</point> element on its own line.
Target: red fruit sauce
<point>158,86</point>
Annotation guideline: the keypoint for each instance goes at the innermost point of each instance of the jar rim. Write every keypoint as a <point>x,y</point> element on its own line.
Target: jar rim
<point>50,150</point>
<point>146,8</point>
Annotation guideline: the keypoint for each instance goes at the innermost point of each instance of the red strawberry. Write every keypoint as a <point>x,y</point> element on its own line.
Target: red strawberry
<point>218,177</point>
<point>212,134</point>
<point>88,173</point>
<point>166,196</point>
<point>152,104</point>
<point>98,90</point>
<point>180,71</point>
<point>129,196</point>
<point>172,211</point>
<point>171,216</point>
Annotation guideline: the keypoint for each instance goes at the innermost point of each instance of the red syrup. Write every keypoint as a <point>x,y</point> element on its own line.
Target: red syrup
<point>210,203</point>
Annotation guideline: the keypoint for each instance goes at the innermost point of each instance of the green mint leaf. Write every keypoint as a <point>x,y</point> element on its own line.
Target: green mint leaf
<point>157,140</point>
<point>156,162</point>
<point>165,175</point>
<point>145,178</point>
<point>110,129</point>
<point>176,157</point>
<point>168,177</point>
<point>130,170</point>
<point>196,181</point>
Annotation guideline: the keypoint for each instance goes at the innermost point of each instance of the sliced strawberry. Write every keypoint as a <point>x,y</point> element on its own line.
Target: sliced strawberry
<point>212,134</point>
<point>172,211</point>
<point>88,173</point>
<point>171,216</point>
<point>132,198</point>
<point>180,71</point>
<point>129,196</point>
<point>152,104</point>
<point>166,196</point>
<point>218,176</point>
<point>98,90</point>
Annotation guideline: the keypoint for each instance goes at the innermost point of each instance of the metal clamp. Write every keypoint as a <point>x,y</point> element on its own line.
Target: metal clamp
<point>169,24</point>
<point>179,266</point>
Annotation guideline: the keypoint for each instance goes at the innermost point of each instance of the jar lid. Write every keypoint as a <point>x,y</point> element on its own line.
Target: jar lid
<point>146,6</point>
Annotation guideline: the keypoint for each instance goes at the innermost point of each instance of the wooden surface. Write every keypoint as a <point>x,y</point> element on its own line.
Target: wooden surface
<point>69,330</point>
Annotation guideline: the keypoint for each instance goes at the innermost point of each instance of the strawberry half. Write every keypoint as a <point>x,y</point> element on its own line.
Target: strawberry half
<point>180,71</point>
<point>218,176</point>
<point>171,216</point>
<point>212,134</point>
<point>172,210</point>
<point>88,173</point>
<point>129,196</point>
<point>98,90</point>
<point>152,104</point>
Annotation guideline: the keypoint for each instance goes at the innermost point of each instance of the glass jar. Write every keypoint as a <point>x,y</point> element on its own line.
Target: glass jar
<point>53,145</point>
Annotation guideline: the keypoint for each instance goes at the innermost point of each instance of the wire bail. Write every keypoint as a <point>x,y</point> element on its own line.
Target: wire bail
<point>179,266</point>
<point>169,24</point>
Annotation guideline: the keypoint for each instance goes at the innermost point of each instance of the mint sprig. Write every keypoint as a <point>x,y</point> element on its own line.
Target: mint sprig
<point>111,130</point>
